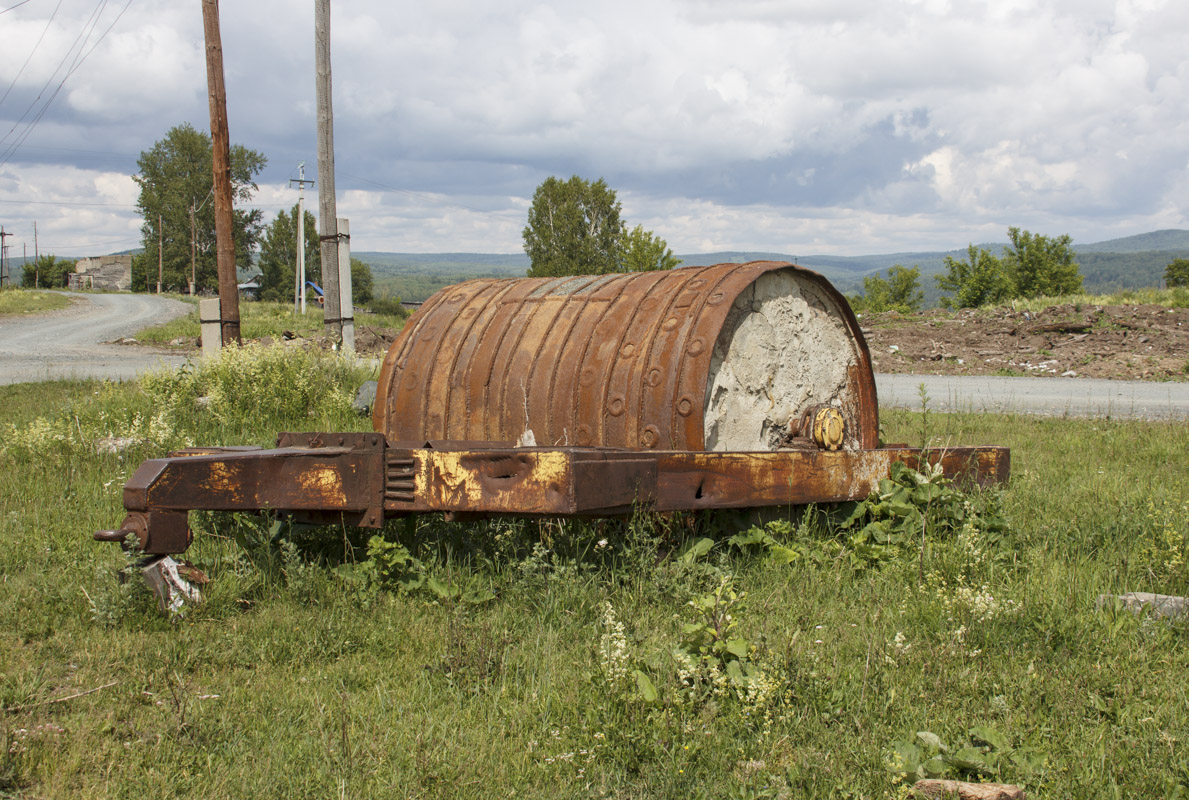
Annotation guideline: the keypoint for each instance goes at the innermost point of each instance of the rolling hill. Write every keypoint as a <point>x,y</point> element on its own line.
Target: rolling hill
<point>1127,263</point>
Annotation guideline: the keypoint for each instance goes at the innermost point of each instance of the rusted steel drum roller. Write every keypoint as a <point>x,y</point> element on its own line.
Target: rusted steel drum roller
<point>732,386</point>
<point>732,357</point>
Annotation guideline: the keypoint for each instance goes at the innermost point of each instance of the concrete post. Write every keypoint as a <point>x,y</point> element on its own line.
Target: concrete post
<point>347,312</point>
<point>210,324</point>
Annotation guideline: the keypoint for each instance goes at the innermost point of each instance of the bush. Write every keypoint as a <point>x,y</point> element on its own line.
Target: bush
<point>269,385</point>
<point>1177,273</point>
<point>388,304</point>
<point>901,291</point>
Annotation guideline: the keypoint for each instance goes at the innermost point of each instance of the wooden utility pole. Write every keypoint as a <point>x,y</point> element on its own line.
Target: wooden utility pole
<point>220,140</point>
<point>328,234</point>
<point>36,259</point>
<point>160,253</point>
<point>4,276</point>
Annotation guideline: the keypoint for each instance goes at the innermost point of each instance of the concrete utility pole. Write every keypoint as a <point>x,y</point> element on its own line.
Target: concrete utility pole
<point>347,317</point>
<point>193,245</point>
<point>36,259</point>
<point>160,253</point>
<point>299,276</point>
<point>220,139</point>
<point>328,234</point>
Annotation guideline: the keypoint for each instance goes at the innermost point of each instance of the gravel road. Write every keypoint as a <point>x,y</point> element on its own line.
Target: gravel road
<point>1054,397</point>
<point>71,343</point>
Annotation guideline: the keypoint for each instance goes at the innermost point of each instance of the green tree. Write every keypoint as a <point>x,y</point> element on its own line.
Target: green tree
<point>1177,273</point>
<point>278,255</point>
<point>1040,266</point>
<point>573,228</point>
<point>977,281</point>
<point>46,271</point>
<point>901,291</point>
<point>363,285</point>
<point>643,251</point>
<point>175,175</point>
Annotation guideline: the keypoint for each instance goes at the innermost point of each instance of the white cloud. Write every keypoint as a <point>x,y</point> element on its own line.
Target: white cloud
<point>100,217</point>
<point>833,125</point>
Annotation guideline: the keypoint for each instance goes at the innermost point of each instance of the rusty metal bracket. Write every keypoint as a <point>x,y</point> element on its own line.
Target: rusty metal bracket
<point>326,477</point>
<point>157,532</point>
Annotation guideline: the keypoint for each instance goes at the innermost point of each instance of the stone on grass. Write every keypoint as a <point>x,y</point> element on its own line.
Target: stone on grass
<point>1160,605</point>
<point>365,398</point>
<point>111,445</point>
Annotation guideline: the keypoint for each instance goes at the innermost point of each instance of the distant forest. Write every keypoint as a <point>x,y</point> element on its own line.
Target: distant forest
<point>1129,263</point>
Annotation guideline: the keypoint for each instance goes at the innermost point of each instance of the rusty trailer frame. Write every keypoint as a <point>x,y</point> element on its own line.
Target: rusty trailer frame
<point>361,479</point>
<point>625,371</point>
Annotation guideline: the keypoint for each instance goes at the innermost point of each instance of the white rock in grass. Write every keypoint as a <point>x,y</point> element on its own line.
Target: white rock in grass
<point>110,445</point>
<point>1161,605</point>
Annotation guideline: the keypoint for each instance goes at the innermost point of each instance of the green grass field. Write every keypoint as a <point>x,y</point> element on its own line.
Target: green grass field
<point>30,301</point>
<point>560,660</point>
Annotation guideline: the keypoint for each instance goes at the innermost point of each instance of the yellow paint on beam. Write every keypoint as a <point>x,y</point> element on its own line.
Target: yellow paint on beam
<point>224,478</point>
<point>323,482</point>
<point>508,481</point>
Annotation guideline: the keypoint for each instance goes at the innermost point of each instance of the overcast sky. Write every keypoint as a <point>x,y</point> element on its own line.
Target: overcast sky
<point>797,126</point>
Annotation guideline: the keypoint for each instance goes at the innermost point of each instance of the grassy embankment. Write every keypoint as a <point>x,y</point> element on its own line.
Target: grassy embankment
<point>31,301</point>
<point>503,670</point>
<point>261,319</point>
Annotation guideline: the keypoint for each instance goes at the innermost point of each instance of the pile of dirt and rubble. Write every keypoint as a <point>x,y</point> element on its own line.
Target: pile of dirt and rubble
<point>1143,342</point>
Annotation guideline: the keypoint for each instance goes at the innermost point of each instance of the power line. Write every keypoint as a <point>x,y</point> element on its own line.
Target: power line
<point>78,62</point>
<point>93,244</point>
<point>67,203</point>
<point>15,5</point>
<point>89,24</point>
<point>79,59</point>
<point>78,150</point>
<point>49,22</point>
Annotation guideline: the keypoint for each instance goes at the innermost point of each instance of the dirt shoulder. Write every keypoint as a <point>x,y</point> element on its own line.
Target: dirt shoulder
<point>1142,342</point>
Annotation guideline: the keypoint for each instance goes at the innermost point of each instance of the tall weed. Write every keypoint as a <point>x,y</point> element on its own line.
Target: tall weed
<point>247,393</point>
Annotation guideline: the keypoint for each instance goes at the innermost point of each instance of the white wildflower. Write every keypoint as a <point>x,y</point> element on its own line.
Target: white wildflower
<point>613,646</point>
